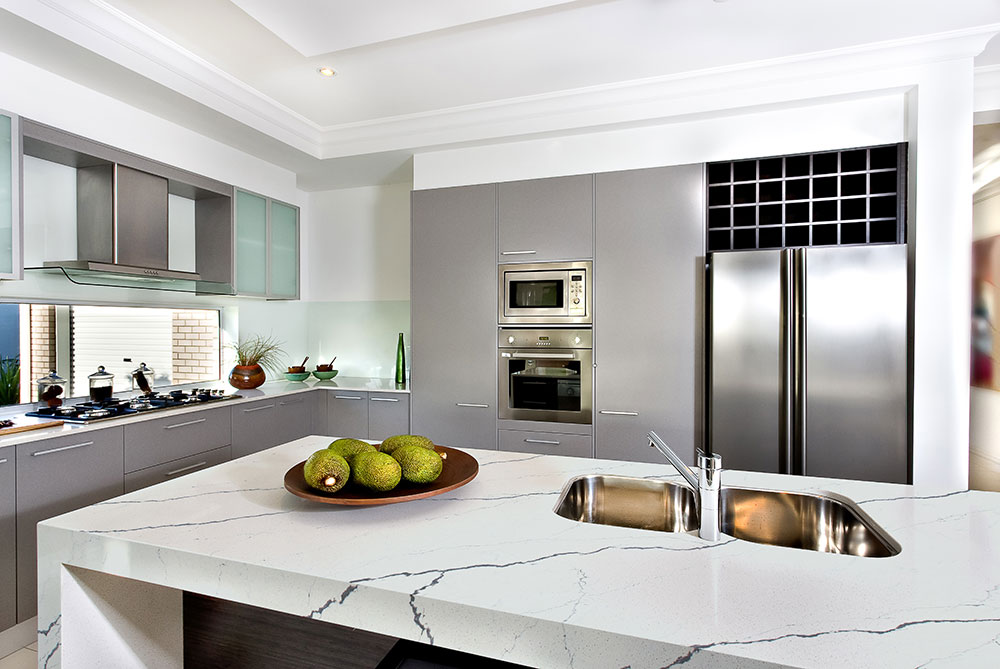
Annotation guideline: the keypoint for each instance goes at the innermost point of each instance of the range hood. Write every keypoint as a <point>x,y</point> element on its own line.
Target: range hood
<point>121,225</point>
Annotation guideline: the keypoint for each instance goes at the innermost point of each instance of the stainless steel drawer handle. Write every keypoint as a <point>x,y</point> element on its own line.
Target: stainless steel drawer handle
<point>384,399</point>
<point>346,397</point>
<point>541,441</point>
<point>269,406</point>
<point>517,253</point>
<point>190,422</point>
<point>472,405</point>
<point>185,469</point>
<point>62,448</point>
<point>619,413</point>
<point>285,404</point>
<point>3,461</point>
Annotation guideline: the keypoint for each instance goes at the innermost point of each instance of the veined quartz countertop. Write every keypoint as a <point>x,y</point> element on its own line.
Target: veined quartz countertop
<point>269,389</point>
<point>490,569</point>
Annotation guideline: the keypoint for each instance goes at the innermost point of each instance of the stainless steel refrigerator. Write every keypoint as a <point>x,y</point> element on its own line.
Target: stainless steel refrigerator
<point>808,364</point>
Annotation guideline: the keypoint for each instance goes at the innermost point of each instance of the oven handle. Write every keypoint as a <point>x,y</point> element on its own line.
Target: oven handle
<point>545,356</point>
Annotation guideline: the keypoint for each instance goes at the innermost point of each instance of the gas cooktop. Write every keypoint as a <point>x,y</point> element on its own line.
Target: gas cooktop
<point>87,412</point>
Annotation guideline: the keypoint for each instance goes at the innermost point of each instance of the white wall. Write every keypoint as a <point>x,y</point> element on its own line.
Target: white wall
<point>804,127</point>
<point>358,287</point>
<point>360,239</point>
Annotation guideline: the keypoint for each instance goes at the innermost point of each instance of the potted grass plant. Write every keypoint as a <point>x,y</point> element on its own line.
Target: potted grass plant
<point>254,354</point>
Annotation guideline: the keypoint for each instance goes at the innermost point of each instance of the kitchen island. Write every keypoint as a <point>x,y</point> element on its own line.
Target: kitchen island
<point>491,570</point>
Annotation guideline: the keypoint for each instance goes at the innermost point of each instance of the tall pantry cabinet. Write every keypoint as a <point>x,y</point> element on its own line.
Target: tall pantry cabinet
<point>453,315</point>
<point>648,302</point>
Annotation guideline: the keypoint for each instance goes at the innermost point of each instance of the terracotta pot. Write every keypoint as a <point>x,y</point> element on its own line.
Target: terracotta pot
<point>246,377</point>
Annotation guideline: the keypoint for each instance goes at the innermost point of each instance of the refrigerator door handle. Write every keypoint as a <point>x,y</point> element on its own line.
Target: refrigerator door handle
<point>792,377</point>
<point>786,378</point>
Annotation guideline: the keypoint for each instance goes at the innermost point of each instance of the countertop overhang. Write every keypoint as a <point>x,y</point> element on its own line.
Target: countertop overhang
<point>490,569</point>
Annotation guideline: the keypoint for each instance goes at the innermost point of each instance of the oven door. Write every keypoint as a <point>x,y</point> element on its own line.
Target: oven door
<point>552,385</point>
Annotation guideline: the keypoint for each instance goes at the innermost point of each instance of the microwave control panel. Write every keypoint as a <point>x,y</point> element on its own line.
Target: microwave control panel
<point>577,293</point>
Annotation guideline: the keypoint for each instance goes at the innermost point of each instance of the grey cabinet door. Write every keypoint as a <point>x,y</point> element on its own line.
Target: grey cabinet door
<point>295,416</point>
<point>546,219</point>
<point>8,540</point>
<point>56,476</point>
<point>648,304</point>
<point>453,316</point>
<point>347,414</point>
<point>266,423</point>
<point>155,442</point>
<point>388,414</point>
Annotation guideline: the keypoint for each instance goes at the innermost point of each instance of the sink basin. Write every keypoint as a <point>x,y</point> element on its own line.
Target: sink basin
<point>629,502</point>
<point>826,522</point>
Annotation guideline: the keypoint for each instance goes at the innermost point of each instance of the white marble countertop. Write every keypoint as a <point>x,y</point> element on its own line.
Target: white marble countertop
<point>490,569</point>
<point>269,389</point>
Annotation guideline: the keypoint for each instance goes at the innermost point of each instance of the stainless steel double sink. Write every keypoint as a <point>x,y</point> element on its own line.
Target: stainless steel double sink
<point>818,522</point>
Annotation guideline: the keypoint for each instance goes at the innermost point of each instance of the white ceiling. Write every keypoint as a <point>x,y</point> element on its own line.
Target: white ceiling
<point>414,74</point>
<point>317,27</point>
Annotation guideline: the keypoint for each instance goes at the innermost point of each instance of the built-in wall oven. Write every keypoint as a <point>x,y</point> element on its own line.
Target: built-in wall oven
<point>546,375</point>
<point>552,293</point>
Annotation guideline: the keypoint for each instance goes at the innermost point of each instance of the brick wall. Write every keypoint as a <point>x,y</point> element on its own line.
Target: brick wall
<point>196,346</point>
<point>43,343</point>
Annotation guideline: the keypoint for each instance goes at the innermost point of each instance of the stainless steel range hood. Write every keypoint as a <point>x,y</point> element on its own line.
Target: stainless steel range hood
<point>122,224</point>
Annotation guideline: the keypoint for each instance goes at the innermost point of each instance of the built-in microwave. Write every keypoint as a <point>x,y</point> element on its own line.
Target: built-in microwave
<point>554,293</point>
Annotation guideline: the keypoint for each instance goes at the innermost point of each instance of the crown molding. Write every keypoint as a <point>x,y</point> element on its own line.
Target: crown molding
<point>101,28</point>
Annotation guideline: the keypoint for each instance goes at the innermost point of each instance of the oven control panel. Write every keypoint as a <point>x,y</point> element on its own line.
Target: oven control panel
<point>547,338</point>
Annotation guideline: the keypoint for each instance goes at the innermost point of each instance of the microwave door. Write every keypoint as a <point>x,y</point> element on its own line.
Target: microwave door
<point>536,294</point>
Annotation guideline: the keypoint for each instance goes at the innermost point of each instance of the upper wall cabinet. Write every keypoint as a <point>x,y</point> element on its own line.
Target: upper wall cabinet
<point>267,247</point>
<point>10,197</point>
<point>546,219</point>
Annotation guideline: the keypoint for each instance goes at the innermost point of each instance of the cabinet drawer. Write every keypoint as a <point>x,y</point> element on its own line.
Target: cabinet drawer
<point>166,439</point>
<point>347,412</point>
<point>56,476</point>
<point>388,414</point>
<point>8,541</point>
<point>547,443</point>
<point>175,469</point>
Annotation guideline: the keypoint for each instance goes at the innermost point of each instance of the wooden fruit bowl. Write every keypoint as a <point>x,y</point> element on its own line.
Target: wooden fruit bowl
<point>459,469</point>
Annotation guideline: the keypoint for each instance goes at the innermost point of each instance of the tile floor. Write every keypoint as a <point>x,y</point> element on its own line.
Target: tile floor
<point>26,658</point>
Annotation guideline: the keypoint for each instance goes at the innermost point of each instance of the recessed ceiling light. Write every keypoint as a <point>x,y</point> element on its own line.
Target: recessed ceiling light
<point>327,71</point>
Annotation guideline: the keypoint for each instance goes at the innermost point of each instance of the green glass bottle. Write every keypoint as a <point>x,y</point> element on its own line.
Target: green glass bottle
<point>400,361</point>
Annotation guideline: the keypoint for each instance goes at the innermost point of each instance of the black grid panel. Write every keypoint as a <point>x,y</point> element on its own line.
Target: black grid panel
<point>835,198</point>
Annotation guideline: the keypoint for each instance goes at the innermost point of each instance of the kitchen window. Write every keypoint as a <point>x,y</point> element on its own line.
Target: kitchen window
<point>180,345</point>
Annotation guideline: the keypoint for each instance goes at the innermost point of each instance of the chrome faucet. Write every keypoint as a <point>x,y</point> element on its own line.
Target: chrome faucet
<point>706,485</point>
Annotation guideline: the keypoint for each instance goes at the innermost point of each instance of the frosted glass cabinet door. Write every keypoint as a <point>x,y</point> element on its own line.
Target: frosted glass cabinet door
<point>284,267</point>
<point>251,244</point>
<point>10,197</point>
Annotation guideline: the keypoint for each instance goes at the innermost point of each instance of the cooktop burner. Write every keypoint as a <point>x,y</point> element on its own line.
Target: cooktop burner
<point>86,412</point>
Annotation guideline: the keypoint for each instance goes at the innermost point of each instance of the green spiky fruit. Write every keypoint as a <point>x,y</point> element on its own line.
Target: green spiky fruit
<point>348,448</point>
<point>400,440</point>
<point>376,471</point>
<point>419,464</point>
<point>326,471</point>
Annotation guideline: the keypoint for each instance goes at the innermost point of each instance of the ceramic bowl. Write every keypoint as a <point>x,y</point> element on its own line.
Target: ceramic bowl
<point>300,376</point>
<point>326,376</point>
